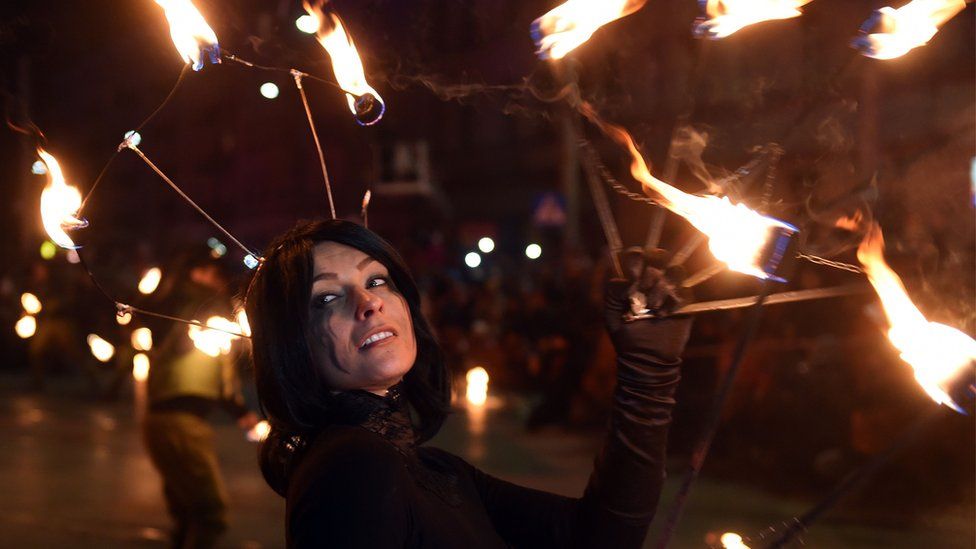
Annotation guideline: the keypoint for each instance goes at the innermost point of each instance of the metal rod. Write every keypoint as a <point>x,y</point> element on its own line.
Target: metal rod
<point>157,110</point>
<point>703,275</point>
<point>772,299</point>
<point>671,163</point>
<point>128,144</point>
<point>591,171</point>
<point>701,451</point>
<point>315,136</point>
<point>856,478</point>
<point>689,248</point>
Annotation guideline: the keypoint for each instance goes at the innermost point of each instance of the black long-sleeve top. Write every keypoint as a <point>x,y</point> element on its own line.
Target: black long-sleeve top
<point>364,484</point>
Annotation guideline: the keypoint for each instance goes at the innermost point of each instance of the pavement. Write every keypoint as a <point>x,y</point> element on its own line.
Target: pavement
<point>74,474</point>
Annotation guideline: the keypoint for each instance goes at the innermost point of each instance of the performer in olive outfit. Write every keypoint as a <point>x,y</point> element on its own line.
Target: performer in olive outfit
<point>184,386</point>
<point>354,383</point>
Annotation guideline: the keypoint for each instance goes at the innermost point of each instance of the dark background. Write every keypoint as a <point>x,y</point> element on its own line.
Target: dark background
<point>454,77</point>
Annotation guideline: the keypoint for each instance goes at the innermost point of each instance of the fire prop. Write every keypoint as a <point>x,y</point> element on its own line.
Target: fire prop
<point>192,36</point>
<point>726,17</point>
<point>59,204</point>
<point>890,33</point>
<point>364,102</point>
<point>217,337</point>
<point>937,353</point>
<point>570,24</point>
<point>743,239</point>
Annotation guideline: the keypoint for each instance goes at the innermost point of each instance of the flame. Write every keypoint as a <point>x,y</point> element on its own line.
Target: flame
<point>346,64</point>
<point>215,342</point>
<point>26,327</point>
<point>242,323</point>
<point>142,339</point>
<point>726,17</point>
<point>150,281</point>
<point>140,367</point>
<point>891,33</point>
<point>192,36</point>
<point>59,204</point>
<point>570,24</point>
<point>30,302</point>
<point>477,391</point>
<point>731,540</point>
<point>737,236</point>
<point>100,349</point>
<point>259,432</point>
<point>935,351</point>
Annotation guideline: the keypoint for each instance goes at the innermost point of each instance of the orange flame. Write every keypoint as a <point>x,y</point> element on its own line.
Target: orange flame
<point>935,351</point>
<point>346,64</point>
<point>192,36</point>
<point>726,17</point>
<point>59,204</point>
<point>737,236</point>
<point>570,24</point>
<point>218,338</point>
<point>891,33</point>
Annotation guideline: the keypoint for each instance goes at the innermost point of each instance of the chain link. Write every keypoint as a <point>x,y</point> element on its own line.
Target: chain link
<point>830,263</point>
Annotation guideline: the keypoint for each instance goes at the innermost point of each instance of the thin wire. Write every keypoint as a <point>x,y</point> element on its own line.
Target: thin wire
<point>157,110</point>
<point>175,187</point>
<point>123,308</point>
<point>315,135</point>
<point>232,57</point>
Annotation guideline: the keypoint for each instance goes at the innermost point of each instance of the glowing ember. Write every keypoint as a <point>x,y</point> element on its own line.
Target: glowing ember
<point>935,351</point>
<point>477,391</point>
<point>726,17</point>
<point>142,339</point>
<point>731,540</point>
<point>364,102</point>
<point>140,367</point>
<point>30,302</point>
<point>59,204</point>
<point>150,280</point>
<point>214,342</point>
<point>570,24</point>
<point>192,36</point>
<point>100,349</point>
<point>737,236</point>
<point>26,327</point>
<point>245,328</point>
<point>259,432</point>
<point>891,33</point>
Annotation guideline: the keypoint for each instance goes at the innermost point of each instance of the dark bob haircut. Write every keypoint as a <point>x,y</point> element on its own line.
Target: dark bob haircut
<point>292,391</point>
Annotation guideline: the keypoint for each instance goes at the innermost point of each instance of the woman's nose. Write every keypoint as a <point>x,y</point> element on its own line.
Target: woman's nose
<point>367,303</point>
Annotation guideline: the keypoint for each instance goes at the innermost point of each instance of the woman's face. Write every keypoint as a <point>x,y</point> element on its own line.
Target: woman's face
<point>362,333</point>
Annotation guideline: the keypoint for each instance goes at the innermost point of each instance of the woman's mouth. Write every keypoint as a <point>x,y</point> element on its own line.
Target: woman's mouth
<point>376,339</point>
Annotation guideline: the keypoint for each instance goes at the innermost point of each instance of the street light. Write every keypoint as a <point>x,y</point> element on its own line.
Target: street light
<point>486,244</point>
<point>472,259</point>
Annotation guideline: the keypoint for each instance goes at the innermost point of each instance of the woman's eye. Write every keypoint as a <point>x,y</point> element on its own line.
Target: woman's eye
<point>325,299</point>
<point>377,281</point>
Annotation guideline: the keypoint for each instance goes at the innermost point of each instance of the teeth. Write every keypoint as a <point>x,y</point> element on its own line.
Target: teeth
<point>376,337</point>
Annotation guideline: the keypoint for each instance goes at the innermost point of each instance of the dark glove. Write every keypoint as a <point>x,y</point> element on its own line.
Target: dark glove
<point>651,285</point>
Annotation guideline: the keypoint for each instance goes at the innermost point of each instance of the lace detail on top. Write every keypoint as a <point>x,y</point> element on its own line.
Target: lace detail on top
<point>389,417</point>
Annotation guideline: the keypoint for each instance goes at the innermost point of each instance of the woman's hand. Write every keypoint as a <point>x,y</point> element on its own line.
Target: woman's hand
<point>636,308</point>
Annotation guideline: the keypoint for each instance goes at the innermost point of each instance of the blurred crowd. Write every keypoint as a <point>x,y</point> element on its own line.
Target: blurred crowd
<point>819,391</point>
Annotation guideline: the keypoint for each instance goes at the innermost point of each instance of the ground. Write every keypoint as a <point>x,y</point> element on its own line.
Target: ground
<point>75,475</point>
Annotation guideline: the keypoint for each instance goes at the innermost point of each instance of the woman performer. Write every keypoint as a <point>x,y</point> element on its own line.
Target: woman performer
<point>353,383</point>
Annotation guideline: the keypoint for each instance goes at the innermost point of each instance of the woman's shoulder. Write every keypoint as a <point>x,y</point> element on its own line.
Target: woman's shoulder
<point>346,457</point>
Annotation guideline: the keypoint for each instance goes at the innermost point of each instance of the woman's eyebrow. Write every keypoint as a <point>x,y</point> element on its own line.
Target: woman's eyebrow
<point>325,276</point>
<point>366,261</point>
